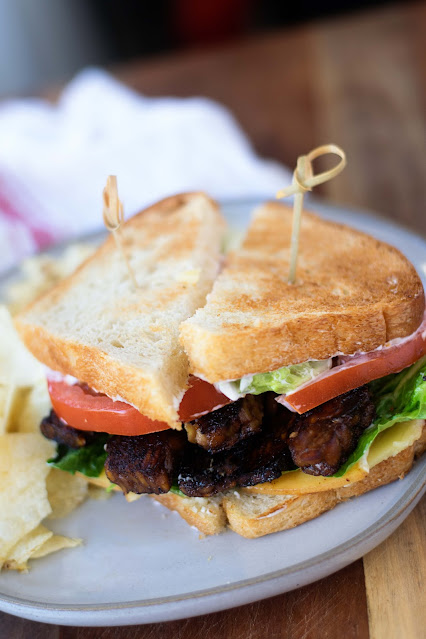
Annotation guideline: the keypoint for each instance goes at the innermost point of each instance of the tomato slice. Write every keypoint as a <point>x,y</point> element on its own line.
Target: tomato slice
<point>84,409</point>
<point>200,398</point>
<point>356,371</point>
<point>81,407</point>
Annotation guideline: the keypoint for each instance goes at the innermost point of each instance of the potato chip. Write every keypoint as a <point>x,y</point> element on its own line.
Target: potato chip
<point>41,272</point>
<point>12,398</point>
<point>24,399</point>
<point>34,404</point>
<point>29,489</point>
<point>65,492</point>
<point>24,549</point>
<point>17,365</point>
<point>35,277</point>
<point>98,493</point>
<point>23,494</point>
<point>23,407</point>
<point>56,542</point>
<point>38,543</point>
<point>130,497</point>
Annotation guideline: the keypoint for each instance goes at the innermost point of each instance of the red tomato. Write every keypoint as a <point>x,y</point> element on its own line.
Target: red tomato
<point>361,370</point>
<point>82,408</point>
<point>200,398</point>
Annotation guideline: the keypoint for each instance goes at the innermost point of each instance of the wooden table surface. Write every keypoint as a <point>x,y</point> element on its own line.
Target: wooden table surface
<point>359,81</point>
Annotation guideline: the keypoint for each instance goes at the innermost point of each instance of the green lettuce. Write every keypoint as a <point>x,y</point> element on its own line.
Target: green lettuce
<point>398,398</point>
<point>283,380</point>
<point>176,490</point>
<point>88,460</point>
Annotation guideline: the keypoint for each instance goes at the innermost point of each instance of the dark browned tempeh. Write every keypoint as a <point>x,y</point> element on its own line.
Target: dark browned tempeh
<point>259,458</point>
<point>322,439</point>
<point>54,428</point>
<point>223,428</point>
<point>146,463</point>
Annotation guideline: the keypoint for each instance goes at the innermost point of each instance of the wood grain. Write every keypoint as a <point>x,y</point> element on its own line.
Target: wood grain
<point>318,610</point>
<point>395,574</point>
<point>359,81</point>
<point>15,628</point>
<point>371,105</point>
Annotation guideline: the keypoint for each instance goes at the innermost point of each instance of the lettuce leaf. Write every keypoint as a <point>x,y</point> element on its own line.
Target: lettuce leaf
<point>398,398</point>
<point>88,460</point>
<point>176,490</point>
<point>283,380</point>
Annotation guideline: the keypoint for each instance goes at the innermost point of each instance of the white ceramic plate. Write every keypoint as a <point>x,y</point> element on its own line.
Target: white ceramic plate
<point>141,563</point>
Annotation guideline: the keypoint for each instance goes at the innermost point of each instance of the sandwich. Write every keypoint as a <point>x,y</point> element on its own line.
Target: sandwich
<point>233,397</point>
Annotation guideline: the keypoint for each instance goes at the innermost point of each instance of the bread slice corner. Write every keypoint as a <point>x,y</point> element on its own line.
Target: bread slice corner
<point>251,517</point>
<point>123,341</point>
<point>352,293</point>
<point>207,515</point>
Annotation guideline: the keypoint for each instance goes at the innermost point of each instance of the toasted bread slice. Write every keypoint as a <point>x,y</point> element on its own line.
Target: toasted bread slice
<point>124,341</point>
<point>252,515</point>
<point>353,293</point>
<point>205,514</point>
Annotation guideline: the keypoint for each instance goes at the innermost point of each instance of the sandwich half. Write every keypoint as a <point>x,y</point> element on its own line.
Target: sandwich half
<point>123,341</point>
<point>259,407</point>
<point>335,363</point>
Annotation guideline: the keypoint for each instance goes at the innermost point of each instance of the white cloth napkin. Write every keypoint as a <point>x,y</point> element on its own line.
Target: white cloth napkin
<point>54,159</point>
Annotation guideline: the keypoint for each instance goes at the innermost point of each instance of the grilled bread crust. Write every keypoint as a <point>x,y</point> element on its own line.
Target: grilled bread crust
<point>124,341</point>
<point>352,293</point>
<point>207,515</point>
<point>253,516</point>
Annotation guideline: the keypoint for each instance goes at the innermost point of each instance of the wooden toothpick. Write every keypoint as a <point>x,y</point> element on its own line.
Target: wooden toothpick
<point>304,180</point>
<point>113,217</point>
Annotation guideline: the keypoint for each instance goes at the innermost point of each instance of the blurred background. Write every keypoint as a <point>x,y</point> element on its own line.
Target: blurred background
<point>224,96</point>
<point>45,42</point>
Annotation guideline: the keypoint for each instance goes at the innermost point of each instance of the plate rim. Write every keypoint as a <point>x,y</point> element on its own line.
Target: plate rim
<point>410,498</point>
<point>389,520</point>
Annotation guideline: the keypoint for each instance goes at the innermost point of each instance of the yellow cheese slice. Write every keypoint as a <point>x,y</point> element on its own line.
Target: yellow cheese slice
<point>389,443</point>
<point>103,482</point>
<point>394,440</point>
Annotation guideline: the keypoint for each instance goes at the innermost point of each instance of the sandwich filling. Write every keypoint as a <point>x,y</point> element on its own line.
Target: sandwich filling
<point>306,385</point>
<point>244,443</point>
